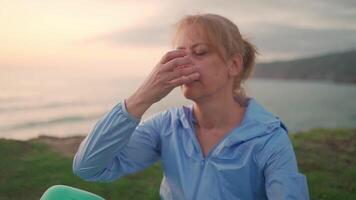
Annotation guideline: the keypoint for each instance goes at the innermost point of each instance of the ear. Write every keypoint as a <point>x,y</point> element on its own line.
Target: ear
<point>235,65</point>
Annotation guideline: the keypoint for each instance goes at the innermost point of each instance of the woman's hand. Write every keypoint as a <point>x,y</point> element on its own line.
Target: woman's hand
<point>174,69</point>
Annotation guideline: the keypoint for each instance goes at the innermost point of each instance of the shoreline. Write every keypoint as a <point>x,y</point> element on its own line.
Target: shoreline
<point>314,80</point>
<point>68,145</point>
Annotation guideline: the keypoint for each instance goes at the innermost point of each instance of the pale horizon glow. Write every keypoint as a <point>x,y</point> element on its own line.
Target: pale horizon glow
<point>52,34</point>
<point>132,36</point>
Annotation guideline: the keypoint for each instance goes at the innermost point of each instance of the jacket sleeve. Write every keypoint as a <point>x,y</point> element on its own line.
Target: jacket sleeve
<point>119,144</point>
<point>282,179</point>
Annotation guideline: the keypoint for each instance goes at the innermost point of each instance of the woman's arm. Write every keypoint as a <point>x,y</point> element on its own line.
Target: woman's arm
<point>282,179</point>
<point>118,145</point>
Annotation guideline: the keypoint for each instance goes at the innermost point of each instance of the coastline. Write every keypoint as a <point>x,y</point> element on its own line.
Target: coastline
<point>66,146</point>
<point>325,156</point>
<point>315,80</point>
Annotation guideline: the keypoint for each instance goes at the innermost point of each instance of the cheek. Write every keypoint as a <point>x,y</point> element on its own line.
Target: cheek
<point>210,72</point>
<point>205,68</point>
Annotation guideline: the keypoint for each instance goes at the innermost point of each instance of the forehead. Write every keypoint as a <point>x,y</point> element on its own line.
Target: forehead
<point>193,45</point>
<point>191,37</point>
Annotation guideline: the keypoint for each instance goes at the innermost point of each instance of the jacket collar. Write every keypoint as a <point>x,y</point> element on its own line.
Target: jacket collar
<point>257,121</point>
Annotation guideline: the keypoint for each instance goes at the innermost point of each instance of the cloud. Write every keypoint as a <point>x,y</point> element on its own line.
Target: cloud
<point>303,42</point>
<point>144,35</point>
<point>294,28</point>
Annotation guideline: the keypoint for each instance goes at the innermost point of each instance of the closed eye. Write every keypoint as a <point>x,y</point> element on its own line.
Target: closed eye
<point>200,53</point>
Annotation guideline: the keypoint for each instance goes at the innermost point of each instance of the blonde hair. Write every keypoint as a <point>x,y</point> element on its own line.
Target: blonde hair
<point>225,38</point>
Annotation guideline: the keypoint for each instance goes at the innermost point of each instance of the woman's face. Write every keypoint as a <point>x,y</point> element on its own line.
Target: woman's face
<point>214,77</point>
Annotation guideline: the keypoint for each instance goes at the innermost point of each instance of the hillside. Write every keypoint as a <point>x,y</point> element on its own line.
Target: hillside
<point>28,168</point>
<point>338,67</point>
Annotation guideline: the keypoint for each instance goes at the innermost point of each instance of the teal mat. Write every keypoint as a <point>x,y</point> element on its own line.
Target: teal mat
<point>62,192</point>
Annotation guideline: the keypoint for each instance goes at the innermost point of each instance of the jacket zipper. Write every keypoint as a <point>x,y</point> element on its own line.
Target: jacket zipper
<point>206,158</point>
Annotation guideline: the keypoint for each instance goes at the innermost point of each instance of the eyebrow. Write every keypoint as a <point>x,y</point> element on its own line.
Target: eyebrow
<point>194,45</point>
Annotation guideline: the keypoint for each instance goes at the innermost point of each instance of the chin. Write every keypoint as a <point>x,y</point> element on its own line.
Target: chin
<point>190,92</point>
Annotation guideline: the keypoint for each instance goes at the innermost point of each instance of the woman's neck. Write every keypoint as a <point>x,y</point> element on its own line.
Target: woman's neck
<point>217,113</point>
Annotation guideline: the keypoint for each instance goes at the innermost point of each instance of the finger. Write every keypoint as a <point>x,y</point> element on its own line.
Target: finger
<point>184,79</point>
<point>169,66</point>
<point>172,54</point>
<point>182,71</point>
<point>180,67</point>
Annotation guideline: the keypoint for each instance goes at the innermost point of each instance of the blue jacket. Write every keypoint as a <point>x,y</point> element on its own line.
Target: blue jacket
<point>254,161</point>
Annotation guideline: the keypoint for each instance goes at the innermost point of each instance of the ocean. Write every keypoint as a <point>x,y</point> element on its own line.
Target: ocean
<point>61,104</point>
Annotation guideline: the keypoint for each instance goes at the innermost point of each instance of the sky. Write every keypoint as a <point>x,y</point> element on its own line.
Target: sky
<point>131,36</point>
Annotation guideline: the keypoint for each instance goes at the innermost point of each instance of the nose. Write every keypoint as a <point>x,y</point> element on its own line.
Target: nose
<point>190,55</point>
<point>192,62</point>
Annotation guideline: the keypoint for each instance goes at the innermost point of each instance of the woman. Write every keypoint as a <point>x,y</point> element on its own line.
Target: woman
<point>224,146</point>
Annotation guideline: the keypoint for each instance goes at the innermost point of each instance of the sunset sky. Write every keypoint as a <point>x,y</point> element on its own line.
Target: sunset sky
<point>133,35</point>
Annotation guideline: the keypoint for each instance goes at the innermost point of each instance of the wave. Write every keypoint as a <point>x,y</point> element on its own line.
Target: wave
<point>60,120</point>
<point>40,107</point>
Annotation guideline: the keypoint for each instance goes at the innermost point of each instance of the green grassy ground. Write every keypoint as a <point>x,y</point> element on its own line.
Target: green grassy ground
<point>327,158</point>
<point>28,169</point>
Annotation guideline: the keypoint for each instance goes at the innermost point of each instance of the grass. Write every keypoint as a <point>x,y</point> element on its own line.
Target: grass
<point>326,157</point>
<point>28,169</point>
